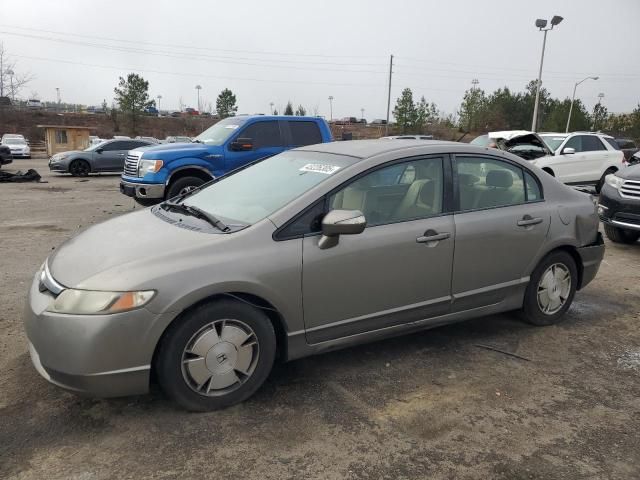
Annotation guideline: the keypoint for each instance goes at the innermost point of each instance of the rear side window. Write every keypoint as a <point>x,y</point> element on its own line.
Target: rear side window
<point>304,133</point>
<point>263,134</point>
<point>113,146</point>
<point>488,183</point>
<point>533,189</point>
<point>591,143</point>
<point>132,145</point>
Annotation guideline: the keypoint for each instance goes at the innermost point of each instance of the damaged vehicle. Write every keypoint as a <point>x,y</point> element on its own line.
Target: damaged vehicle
<point>525,144</point>
<point>317,248</point>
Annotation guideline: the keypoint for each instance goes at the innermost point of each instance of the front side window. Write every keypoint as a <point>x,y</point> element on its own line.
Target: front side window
<point>396,193</point>
<point>263,134</point>
<point>113,146</point>
<point>304,133</point>
<point>575,143</point>
<point>487,183</point>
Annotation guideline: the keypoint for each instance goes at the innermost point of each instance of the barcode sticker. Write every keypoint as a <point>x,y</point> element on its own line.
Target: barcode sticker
<point>320,168</point>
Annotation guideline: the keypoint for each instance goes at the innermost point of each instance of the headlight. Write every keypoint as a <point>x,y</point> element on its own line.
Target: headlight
<point>613,181</point>
<point>148,166</point>
<point>91,302</point>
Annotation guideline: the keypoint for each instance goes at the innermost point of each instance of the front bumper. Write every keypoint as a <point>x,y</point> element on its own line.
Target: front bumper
<point>142,190</point>
<point>617,211</point>
<point>21,154</point>
<point>58,167</point>
<point>591,256</point>
<point>96,355</point>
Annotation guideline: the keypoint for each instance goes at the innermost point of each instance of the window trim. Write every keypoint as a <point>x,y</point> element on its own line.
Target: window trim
<point>456,188</point>
<point>447,194</point>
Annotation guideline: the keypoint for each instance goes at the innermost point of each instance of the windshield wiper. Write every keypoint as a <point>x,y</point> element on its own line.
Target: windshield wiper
<point>198,213</point>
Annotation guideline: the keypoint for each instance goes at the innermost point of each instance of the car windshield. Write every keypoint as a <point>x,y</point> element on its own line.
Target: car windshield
<point>218,134</point>
<point>258,191</point>
<point>481,141</point>
<point>14,141</point>
<point>553,141</point>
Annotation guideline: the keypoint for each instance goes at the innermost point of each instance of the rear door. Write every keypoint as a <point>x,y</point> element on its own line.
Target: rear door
<point>267,139</point>
<point>501,222</point>
<point>596,157</point>
<point>301,133</point>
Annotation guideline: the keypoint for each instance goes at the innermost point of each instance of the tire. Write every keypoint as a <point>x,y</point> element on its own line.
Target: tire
<point>601,181</point>
<point>79,168</point>
<point>533,308</point>
<point>182,184</point>
<point>199,371</point>
<point>620,235</point>
<point>147,202</point>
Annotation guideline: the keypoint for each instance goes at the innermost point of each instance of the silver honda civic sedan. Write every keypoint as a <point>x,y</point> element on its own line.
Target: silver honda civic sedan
<point>313,249</point>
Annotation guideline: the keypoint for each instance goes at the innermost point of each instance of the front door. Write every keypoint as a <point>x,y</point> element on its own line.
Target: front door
<point>398,270</point>
<point>267,141</point>
<point>501,223</point>
<point>112,156</point>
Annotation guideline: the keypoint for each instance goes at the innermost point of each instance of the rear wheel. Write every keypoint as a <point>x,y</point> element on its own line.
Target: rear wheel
<point>216,355</point>
<point>79,168</point>
<point>551,289</point>
<point>183,185</point>
<point>601,181</point>
<point>620,235</point>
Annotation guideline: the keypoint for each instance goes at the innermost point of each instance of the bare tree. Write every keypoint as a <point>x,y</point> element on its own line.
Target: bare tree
<point>11,82</point>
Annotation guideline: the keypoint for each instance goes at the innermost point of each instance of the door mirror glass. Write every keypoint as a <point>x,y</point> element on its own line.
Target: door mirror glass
<point>241,145</point>
<point>568,151</point>
<point>340,222</point>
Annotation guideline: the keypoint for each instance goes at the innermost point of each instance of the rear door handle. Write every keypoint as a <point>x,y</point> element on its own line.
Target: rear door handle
<point>527,221</point>
<point>432,236</point>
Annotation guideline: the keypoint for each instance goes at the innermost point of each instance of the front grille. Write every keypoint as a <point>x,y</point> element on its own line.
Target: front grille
<point>131,164</point>
<point>630,189</point>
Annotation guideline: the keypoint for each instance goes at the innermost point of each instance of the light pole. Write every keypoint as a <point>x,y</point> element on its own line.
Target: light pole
<point>58,98</point>
<point>159,97</point>
<point>330,107</point>
<point>198,88</point>
<point>271,107</point>
<point>573,98</point>
<point>13,94</point>
<point>362,114</point>
<point>541,24</point>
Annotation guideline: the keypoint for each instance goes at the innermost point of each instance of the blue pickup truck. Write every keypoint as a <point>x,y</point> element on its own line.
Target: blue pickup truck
<point>153,174</point>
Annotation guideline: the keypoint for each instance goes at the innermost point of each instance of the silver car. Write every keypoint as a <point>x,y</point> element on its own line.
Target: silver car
<point>314,249</point>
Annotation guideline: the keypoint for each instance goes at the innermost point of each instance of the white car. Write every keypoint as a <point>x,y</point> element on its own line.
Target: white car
<point>581,158</point>
<point>18,147</point>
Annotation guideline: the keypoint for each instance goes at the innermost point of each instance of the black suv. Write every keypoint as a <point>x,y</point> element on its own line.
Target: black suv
<point>619,205</point>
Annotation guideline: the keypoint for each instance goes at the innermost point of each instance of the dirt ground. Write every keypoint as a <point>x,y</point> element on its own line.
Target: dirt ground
<point>429,405</point>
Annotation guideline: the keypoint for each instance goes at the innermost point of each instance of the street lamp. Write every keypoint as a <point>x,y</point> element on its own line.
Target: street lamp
<point>542,26</point>
<point>198,88</point>
<point>330,107</point>
<point>159,97</point>
<point>362,114</point>
<point>271,106</point>
<point>566,130</point>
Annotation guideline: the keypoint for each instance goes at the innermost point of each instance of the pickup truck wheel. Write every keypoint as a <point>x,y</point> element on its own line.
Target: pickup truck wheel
<point>620,235</point>
<point>183,185</point>
<point>79,168</point>
<point>216,355</point>
<point>601,181</point>
<point>551,288</point>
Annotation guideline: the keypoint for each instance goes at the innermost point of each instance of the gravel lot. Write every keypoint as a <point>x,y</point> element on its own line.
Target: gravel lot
<point>428,405</point>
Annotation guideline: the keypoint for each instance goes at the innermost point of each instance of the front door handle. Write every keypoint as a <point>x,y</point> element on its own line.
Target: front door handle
<point>121,154</point>
<point>432,236</point>
<point>528,221</point>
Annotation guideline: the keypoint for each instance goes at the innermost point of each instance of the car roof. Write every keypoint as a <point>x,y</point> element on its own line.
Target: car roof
<point>369,148</point>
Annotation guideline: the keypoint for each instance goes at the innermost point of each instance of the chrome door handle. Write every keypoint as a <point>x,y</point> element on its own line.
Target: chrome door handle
<point>431,236</point>
<point>121,154</point>
<point>527,221</point>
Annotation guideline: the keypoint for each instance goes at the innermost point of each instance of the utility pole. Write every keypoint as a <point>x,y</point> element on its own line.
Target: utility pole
<point>386,127</point>
<point>330,107</point>
<point>271,106</point>
<point>58,98</point>
<point>361,113</point>
<point>159,97</point>
<point>198,88</point>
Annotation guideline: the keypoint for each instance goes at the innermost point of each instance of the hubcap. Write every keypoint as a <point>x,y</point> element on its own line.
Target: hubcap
<point>220,357</point>
<point>186,190</point>
<point>554,288</point>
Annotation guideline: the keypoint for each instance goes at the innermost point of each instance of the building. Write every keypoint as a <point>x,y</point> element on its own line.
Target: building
<point>63,138</point>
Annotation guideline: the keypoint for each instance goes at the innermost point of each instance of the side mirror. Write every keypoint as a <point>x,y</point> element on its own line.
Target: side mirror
<point>241,145</point>
<point>340,222</point>
<point>568,151</point>
<point>99,150</point>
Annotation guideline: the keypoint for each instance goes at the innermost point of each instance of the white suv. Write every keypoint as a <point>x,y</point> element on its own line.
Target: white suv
<point>581,158</point>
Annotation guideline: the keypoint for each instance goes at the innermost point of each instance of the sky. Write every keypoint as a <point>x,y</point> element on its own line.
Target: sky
<point>274,51</point>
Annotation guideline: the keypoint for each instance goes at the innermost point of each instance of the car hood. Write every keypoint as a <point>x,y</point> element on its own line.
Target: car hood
<point>126,246</point>
<point>509,139</point>
<point>176,150</point>
<point>630,173</point>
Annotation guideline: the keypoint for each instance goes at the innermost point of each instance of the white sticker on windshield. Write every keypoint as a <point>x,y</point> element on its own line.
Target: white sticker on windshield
<point>320,168</point>
<point>232,127</point>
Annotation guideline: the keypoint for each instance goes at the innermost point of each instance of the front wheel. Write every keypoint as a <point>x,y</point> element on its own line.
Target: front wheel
<point>620,235</point>
<point>215,356</point>
<point>183,185</point>
<point>79,168</point>
<point>551,289</point>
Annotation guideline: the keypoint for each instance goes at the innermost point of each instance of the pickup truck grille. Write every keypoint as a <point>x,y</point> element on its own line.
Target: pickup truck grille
<point>131,164</point>
<point>630,189</point>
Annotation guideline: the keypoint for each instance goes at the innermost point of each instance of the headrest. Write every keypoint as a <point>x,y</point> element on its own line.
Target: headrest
<point>427,191</point>
<point>467,179</point>
<point>499,178</point>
